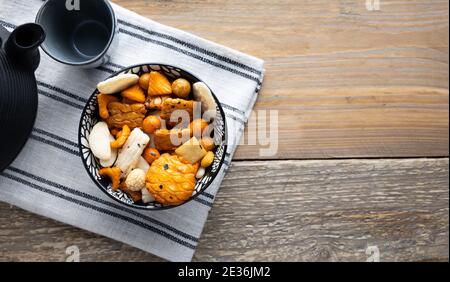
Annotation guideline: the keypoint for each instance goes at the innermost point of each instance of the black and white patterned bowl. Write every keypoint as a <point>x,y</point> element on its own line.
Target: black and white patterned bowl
<point>90,117</point>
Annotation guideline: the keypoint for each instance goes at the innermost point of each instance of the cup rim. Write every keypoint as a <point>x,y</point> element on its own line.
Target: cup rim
<point>166,207</point>
<point>90,61</point>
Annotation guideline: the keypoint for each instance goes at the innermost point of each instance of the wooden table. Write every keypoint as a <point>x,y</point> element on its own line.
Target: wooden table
<point>362,164</point>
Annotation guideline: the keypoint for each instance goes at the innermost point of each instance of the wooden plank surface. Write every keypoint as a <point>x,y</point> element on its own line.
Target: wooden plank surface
<point>285,211</point>
<point>347,82</point>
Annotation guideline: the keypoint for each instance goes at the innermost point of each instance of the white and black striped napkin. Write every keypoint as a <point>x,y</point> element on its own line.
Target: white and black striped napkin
<point>48,177</point>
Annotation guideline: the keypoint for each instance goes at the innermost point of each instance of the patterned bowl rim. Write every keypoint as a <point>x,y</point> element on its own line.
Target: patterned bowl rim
<point>147,207</point>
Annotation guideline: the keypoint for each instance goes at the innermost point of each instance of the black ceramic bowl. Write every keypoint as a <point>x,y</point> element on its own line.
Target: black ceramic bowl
<point>83,38</point>
<point>90,117</point>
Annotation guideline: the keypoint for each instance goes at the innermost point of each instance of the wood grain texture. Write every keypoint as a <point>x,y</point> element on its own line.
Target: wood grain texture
<point>284,211</point>
<point>347,82</point>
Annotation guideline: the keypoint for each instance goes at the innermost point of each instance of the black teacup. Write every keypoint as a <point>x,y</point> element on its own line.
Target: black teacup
<point>79,32</point>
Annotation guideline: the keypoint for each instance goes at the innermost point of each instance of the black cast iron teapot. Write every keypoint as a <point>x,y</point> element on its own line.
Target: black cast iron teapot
<point>19,58</point>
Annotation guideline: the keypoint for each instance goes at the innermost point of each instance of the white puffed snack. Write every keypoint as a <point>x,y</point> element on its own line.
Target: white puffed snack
<point>117,83</point>
<point>200,173</point>
<point>202,94</point>
<point>146,196</point>
<point>109,162</point>
<point>132,150</point>
<point>99,141</point>
<point>135,180</point>
<point>143,164</point>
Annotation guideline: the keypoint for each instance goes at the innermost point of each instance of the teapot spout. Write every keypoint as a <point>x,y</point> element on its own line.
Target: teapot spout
<point>23,44</point>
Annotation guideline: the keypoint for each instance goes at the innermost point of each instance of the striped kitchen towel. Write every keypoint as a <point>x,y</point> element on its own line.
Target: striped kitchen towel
<point>48,177</point>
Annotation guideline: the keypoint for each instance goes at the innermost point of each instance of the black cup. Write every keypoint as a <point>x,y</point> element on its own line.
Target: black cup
<point>81,37</point>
